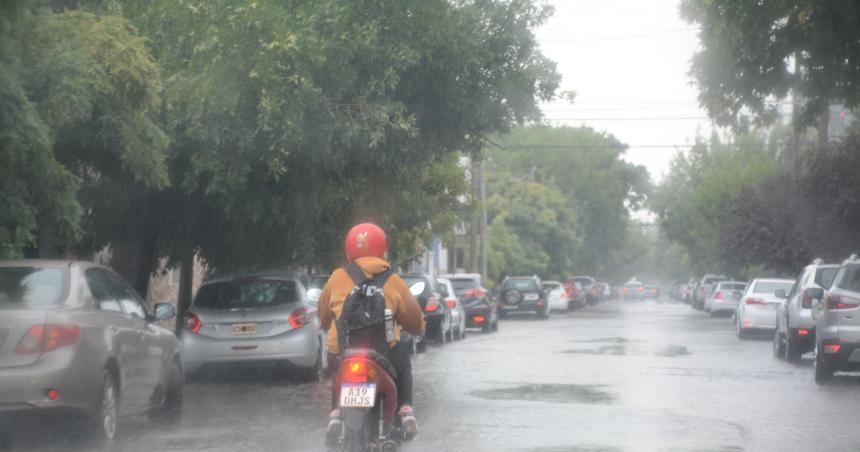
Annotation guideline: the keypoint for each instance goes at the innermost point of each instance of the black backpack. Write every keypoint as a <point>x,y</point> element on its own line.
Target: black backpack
<point>362,321</point>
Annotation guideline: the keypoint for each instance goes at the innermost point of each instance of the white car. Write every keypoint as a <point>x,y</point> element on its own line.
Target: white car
<point>458,313</point>
<point>555,296</point>
<point>758,306</point>
<point>795,317</point>
<point>724,296</point>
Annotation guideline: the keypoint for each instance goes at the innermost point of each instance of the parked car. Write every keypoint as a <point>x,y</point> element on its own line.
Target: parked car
<point>589,286</point>
<point>632,291</point>
<point>703,288</point>
<point>757,308</point>
<point>650,292</point>
<point>688,290</point>
<point>724,297</point>
<point>837,338</point>
<point>574,293</point>
<point>523,293</point>
<point>604,290</point>
<point>458,313</point>
<point>260,318</point>
<point>481,310</point>
<point>75,336</point>
<point>437,315</point>
<point>795,325</point>
<point>556,297</point>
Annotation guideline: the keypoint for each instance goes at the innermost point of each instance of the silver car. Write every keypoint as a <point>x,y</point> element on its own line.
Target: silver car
<point>837,343</point>
<point>795,327</point>
<point>458,312</point>
<point>253,318</point>
<point>724,296</point>
<point>75,335</point>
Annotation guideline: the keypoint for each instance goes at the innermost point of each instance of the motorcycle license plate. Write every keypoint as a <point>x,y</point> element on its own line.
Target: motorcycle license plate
<point>357,395</point>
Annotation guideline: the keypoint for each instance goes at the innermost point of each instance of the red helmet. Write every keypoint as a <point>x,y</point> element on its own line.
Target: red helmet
<point>366,239</point>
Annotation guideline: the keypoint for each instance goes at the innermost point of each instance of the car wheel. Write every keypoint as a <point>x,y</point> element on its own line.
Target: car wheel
<point>315,372</point>
<point>543,315</point>
<point>170,411</point>
<point>739,331</point>
<point>106,419</point>
<point>778,346</point>
<point>792,352</point>
<point>495,327</point>
<point>823,369</point>
<point>485,327</point>
<point>502,314</point>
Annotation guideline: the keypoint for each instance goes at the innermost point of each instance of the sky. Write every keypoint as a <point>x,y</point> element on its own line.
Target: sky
<point>627,61</point>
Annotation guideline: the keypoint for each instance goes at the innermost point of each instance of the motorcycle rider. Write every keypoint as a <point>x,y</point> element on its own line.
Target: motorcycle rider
<point>366,245</point>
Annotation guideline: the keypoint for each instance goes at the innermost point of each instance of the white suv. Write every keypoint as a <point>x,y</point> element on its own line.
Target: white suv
<point>837,344</point>
<point>795,327</point>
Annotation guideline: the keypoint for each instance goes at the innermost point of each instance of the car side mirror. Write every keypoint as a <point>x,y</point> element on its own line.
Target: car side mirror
<point>815,293</point>
<point>314,295</point>
<point>164,311</point>
<point>780,293</point>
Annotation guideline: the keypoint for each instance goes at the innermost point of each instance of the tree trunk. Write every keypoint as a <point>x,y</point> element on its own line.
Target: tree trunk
<point>186,280</point>
<point>472,265</point>
<point>823,128</point>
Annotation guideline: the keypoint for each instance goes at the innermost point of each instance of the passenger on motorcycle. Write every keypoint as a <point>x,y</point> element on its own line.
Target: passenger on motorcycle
<point>366,246</point>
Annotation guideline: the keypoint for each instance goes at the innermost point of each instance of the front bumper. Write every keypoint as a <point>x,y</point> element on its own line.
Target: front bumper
<point>299,347</point>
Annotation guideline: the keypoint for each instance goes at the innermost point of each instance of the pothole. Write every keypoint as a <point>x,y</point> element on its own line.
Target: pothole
<point>552,393</point>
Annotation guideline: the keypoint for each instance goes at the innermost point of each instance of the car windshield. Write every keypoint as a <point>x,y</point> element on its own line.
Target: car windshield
<point>247,294</point>
<point>851,279</point>
<point>520,284</point>
<point>824,276</point>
<point>770,287</point>
<point>31,286</point>
<point>464,284</point>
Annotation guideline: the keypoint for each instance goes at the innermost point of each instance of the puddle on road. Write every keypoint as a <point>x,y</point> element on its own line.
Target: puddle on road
<point>672,351</point>
<point>603,350</point>
<point>552,393</point>
<point>608,340</point>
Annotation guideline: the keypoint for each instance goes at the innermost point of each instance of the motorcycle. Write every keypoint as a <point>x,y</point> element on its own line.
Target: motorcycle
<point>366,390</point>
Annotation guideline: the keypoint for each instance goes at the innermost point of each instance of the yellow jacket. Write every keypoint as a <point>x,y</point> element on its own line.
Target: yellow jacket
<point>405,309</point>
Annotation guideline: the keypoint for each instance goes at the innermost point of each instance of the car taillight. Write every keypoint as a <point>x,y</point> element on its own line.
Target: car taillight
<point>45,338</point>
<point>479,319</point>
<point>806,302</point>
<point>837,302</point>
<point>452,303</point>
<point>626,289</point>
<point>475,293</point>
<point>432,304</point>
<point>641,289</point>
<point>192,322</point>
<point>301,317</point>
<point>718,296</point>
<point>754,301</point>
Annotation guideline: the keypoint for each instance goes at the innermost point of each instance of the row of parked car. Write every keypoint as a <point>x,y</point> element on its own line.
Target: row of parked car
<point>531,294</point>
<point>815,312</point>
<point>76,336</point>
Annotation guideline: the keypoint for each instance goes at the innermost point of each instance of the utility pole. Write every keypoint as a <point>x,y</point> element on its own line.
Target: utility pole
<point>472,265</point>
<point>484,238</point>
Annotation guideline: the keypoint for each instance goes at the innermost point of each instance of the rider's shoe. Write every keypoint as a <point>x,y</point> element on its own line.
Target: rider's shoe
<point>407,420</point>
<point>335,426</point>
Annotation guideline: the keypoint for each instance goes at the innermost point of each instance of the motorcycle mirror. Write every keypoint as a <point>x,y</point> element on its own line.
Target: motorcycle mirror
<point>417,288</point>
<point>314,295</point>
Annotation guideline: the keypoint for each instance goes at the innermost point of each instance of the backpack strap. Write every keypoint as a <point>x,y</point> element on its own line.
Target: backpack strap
<point>381,278</point>
<point>355,273</point>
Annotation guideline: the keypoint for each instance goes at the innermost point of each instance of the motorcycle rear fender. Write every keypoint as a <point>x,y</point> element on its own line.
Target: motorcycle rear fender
<point>385,386</point>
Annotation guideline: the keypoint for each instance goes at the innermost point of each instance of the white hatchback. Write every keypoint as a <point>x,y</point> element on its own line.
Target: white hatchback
<point>758,306</point>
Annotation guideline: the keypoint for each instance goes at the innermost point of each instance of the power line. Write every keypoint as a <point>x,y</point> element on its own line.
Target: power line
<point>644,118</point>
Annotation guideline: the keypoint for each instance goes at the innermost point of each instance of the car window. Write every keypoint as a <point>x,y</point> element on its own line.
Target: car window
<point>247,293</point>
<point>770,287</point>
<point>797,281</point>
<point>520,284</point>
<point>462,284</point>
<point>850,279</point>
<point>126,296</point>
<point>31,286</point>
<point>101,289</point>
<point>824,276</point>
<point>551,286</point>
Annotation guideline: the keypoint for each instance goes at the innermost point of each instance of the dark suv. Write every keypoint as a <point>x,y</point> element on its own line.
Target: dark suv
<point>523,294</point>
<point>589,286</point>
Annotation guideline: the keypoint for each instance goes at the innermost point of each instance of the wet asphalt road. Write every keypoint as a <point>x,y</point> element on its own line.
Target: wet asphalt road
<point>619,376</point>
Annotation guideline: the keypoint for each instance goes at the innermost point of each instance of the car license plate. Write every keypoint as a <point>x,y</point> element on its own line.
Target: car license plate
<point>244,328</point>
<point>357,395</point>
